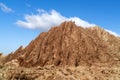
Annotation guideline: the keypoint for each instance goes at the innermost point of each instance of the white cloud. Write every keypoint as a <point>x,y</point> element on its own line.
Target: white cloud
<point>80,22</point>
<point>111,32</point>
<point>45,20</point>
<point>4,8</point>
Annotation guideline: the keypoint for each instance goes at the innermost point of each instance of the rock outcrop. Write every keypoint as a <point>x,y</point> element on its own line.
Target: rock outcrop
<point>2,59</point>
<point>65,52</point>
<point>71,45</point>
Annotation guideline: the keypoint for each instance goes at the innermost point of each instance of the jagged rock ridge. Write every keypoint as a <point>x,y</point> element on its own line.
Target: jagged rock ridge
<point>68,44</point>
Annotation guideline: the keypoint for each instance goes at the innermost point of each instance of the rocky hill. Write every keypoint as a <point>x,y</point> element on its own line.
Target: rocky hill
<point>70,45</point>
<point>65,52</point>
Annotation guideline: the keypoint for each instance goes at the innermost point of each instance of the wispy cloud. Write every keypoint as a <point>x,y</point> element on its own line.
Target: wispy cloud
<point>45,20</point>
<point>28,5</point>
<point>4,8</point>
<point>111,32</point>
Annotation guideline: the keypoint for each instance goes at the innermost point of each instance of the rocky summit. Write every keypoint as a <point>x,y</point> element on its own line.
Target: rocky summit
<point>65,52</point>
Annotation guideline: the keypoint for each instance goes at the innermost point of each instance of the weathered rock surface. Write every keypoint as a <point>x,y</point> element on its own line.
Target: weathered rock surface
<point>68,44</point>
<point>50,72</point>
<point>2,59</point>
<point>65,52</point>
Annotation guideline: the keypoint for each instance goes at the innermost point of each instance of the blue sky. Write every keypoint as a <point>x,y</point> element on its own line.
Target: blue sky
<point>22,20</point>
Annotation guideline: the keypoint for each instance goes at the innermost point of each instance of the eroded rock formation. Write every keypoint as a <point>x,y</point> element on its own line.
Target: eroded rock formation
<point>68,44</point>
